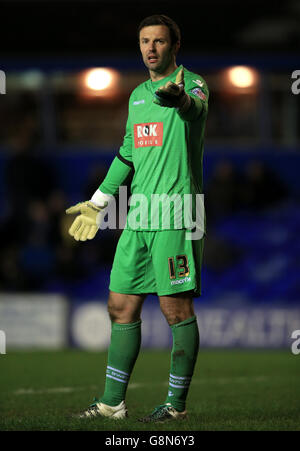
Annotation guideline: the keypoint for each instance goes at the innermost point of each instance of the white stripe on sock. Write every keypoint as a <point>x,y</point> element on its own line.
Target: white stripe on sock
<point>178,386</point>
<point>119,371</point>
<point>116,379</point>
<point>181,378</point>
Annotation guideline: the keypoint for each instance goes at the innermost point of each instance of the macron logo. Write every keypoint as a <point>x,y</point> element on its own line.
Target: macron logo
<point>138,102</point>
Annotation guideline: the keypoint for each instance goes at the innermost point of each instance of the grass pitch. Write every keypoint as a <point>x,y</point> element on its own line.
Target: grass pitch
<point>231,390</point>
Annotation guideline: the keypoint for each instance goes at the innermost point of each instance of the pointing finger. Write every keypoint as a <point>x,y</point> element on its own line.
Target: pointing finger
<point>180,78</point>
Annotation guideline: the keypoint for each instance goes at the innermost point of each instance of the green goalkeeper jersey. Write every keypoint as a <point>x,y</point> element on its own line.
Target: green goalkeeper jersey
<point>165,149</point>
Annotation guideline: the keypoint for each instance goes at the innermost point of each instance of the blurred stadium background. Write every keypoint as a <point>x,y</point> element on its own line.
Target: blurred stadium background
<point>62,124</point>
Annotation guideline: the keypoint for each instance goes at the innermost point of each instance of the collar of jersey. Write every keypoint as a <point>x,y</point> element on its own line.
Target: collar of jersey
<point>163,81</point>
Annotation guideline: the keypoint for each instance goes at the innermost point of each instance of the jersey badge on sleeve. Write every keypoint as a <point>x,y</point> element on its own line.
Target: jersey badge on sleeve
<point>198,82</point>
<point>199,93</point>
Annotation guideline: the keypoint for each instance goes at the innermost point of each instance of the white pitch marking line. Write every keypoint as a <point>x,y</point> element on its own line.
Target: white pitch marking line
<point>137,385</point>
<point>32,391</point>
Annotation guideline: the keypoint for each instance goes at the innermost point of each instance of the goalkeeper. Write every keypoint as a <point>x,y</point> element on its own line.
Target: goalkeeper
<point>163,146</point>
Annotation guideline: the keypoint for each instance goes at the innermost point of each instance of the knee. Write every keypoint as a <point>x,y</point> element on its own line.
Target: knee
<point>115,311</point>
<point>121,311</point>
<point>176,309</point>
<point>175,317</point>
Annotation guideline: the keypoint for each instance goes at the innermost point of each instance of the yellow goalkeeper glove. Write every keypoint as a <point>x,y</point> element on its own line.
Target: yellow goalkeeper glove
<point>86,225</point>
<point>173,95</point>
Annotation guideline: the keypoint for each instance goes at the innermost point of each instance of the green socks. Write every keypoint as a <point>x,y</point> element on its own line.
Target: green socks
<point>183,359</point>
<point>122,353</point>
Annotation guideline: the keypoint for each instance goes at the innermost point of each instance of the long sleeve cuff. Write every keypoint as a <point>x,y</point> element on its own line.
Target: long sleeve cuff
<point>100,199</point>
<point>194,112</point>
<point>116,176</point>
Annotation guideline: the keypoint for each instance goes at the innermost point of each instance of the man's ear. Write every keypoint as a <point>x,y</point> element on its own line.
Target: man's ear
<point>176,47</point>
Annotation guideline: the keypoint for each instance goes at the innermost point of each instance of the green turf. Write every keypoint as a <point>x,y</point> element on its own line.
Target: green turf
<point>231,390</point>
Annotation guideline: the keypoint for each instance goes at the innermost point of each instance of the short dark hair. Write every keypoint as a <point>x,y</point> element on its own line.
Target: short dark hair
<point>161,19</point>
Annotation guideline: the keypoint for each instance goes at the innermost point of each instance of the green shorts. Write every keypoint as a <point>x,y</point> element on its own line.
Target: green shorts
<point>163,262</point>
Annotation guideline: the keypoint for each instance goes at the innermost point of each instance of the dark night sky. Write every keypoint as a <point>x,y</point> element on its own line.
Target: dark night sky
<point>93,27</point>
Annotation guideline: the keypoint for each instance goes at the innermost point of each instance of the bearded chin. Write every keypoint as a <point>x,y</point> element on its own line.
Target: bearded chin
<point>162,66</point>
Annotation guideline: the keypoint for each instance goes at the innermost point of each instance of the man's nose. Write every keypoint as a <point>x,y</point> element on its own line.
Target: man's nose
<point>152,46</point>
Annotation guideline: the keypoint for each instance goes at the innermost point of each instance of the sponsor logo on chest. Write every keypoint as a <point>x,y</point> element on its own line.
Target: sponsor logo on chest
<point>148,135</point>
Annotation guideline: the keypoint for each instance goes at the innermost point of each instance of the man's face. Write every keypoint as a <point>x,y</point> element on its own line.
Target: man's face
<point>155,44</point>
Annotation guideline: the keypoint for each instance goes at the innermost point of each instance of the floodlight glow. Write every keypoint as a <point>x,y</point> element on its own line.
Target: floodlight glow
<point>242,76</point>
<point>98,79</point>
